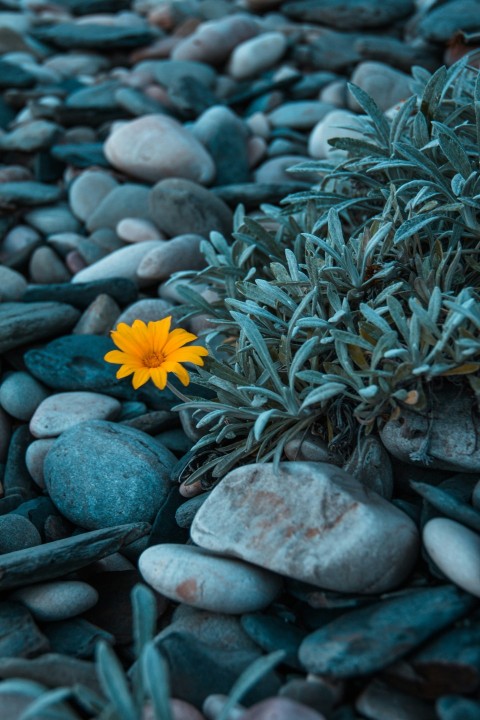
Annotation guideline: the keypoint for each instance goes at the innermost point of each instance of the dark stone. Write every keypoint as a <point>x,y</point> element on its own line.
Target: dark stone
<point>370,639</point>
<point>396,53</point>
<point>70,36</point>
<point>75,362</point>
<point>349,14</point>
<point>152,422</point>
<point>137,103</point>
<point>21,323</point>
<point>379,701</point>
<point>318,695</point>
<point>81,155</point>
<point>75,637</point>
<point>100,96</point>
<point>190,96</point>
<point>187,510</point>
<point>449,505</point>
<point>17,480</point>
<point>252,195</point>
<point>91,7</point>
<point>272,633</point>
<point>15,76</point>
<point>80,295</point>
<point>225,137</point>
<point>10,503</point>
<point>54,559</point>
<point>113,611</point>
<point>442,21</point>
<point>19,635</point>
<point>310,85</point>
<point>52,670</point>
<point>198,670</point>
<point>28,193</point>
<point>165,528</point>
<point>265,85</point>
<point>37,511</point>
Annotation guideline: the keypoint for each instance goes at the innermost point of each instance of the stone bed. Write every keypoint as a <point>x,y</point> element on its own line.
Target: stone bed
<point>130,130</point>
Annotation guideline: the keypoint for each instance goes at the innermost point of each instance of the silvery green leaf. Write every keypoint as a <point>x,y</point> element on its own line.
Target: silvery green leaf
<point>356,146</point>
<point>144,612</point>
<point>250,677</point>
<point>398,316</point>
<point>275,292</point>
<point>458,184</point>
<point>374,318</point>
<point>351,339</point>
<point>28,688</point>
<point>421,369</point>
<point>368,393</point>
<point>401,119</point>
<point>262,421</point>
<point>385,343</point>
<point>423,316</point>
<point>307,350</point>
<point>388,291</point>
<point>420,132</point>
<point>265,392</point>
<point>156,681</point>
<point>412,226</point>
<point>328,249</point>
<point>321,394</point>
<point>433,92</point>
<point>421,159</point>
<point>114,682</point>
<point>372,109</point>
<point>50,706</point>
<point>453,150</point>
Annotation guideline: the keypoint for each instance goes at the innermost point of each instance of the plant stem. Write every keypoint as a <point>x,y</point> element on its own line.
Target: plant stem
<point>178,393</point>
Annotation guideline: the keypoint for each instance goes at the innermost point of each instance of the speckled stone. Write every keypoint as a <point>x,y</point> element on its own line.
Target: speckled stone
<point>35,458</point>
<point>21,394</point>
<point>61,411</point>
<point>57,600</point>
<point>17,533</point>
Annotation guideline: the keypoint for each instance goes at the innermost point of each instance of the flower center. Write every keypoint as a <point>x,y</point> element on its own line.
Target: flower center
<point>153,360</point>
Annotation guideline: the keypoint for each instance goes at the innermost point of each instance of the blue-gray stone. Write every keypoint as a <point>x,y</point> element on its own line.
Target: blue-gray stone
<point>252,195</point>
<point>225,137</point>
<point>81,155</point>
<point>17,533</point>
<point>28,193</point>
<point>54,559</point>
<point>17,480</point>
<point>80,295</point>
<point>108,37</point>
<point>100,474</point>
<point>367,640</point>
<point>21,324</point>
<point>188,509</point>
<point>76,637</point>
<point>37,510</point>
<point>442,21</point>
<point>19,635</point>
<point>453,707</point>
<point>53,671</point>
<point>165,528</point>
<point>349,14</point>
<point>15,76</point>
<point>272,633</point>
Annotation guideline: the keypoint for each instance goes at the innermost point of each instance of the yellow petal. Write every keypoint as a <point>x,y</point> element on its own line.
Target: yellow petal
<point>140,377</point>
<point>191,354</point>
<point>159,332</point>
<point>159,377</point>
<point>177,370</point>
<point>124,371</point>
<point>176,339</point>
<point>126,341</point>
<point>115,356</point>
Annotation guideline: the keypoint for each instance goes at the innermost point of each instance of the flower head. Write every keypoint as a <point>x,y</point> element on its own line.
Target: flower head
<point>152,351</point>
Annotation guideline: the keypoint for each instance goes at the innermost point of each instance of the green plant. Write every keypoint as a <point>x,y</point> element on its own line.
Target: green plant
<point>356,298</point>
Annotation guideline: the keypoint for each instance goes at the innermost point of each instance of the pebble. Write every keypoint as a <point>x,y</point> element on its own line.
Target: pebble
<point>179,253</point>
<point>46,267</point>
<point>17,533</point>
<point>253,56</point>
<point>386,86</point>
<point>5,432</point>
<point>380,701</point>
<point>300,115</point>
<point>205,580</point>
<point>154,147</point>
<point>133,229</point>
<point>21,394</point>
<point>101,474</point>
<point>33,136</point>
<point>281,708</point>
<point>128,200</point>
<point>455,550</point>
<point>225,136</point>
<point>122,263</point>
<point>62,411</point>
<point>326,529</point>
<point>35,458</point>
<point>12,284</point>
<point>277,170</point>
<point>213,41</point>
<point>58,600</point>
<point>338,123</point>
<point>19,634</point>
<point>123,291</point>
<point>452,707</point>
<point>87,191</point>
<point>42,320</point>
<point>148,310</point>
<point>179,206</point>
<point>350,15</point>
<point>369,639</point>
<point>99,318</point>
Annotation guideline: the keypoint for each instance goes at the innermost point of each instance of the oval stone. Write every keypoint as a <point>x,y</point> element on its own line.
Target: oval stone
<point>17,533</point>
<point>62,411</point>
<point>456,551</point>
<point>154,147</point>
<point>192,575</point>
<point>21,394</point>
<point>101,474</point>
<point>57,600</point>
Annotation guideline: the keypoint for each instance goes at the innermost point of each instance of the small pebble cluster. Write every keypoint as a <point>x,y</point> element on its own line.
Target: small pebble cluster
<point>129,131</point>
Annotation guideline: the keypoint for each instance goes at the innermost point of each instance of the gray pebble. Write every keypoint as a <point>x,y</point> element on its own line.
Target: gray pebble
<point>57,600</point>
<point>21,394</point>
<point>17,533</point>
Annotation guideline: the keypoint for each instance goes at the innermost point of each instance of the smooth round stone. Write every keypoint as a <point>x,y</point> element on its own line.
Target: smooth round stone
<point>57,600</point>
<point>455,549</point>
<point>275,169</point>
<point>30,137</point>
<point>21,394</point>
<point>132,229</point>
<point>46,267</point>
<point>154,147</point>
<point>35,458</point>
<point>17,533</point>
<point>351,15</point>
<point>122,263</point>
<point>19,238</point>
<point>385,85</point>
<point>301,115</point>
<point>99,317</point>
<point>76,63</point>
<point>12,284</point>
<point>180,709</point>
<point>213,41</point>
<point>62,411</point>
<point>128,200</point>
<point>51,220</point>
<point>225,136</point>
<point>213,706</point>
<point>179,253</point>
<point>148,310</point>
<point>100,474</point>
<point>336,124</point>
<point>180,206</point>
<point>281,708</point>
<point>335,93</point>
<point>192,575</point>
<point>257,54</point>
<point>88,190</point>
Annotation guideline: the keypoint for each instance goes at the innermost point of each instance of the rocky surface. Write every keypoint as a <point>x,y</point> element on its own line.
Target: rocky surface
<point>129,131</point>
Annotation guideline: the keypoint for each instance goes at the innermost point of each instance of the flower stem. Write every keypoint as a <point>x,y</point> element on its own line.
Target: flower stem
<point>178,393</point>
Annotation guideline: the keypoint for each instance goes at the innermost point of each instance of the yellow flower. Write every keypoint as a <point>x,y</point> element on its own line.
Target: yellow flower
<point>152,351</point>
